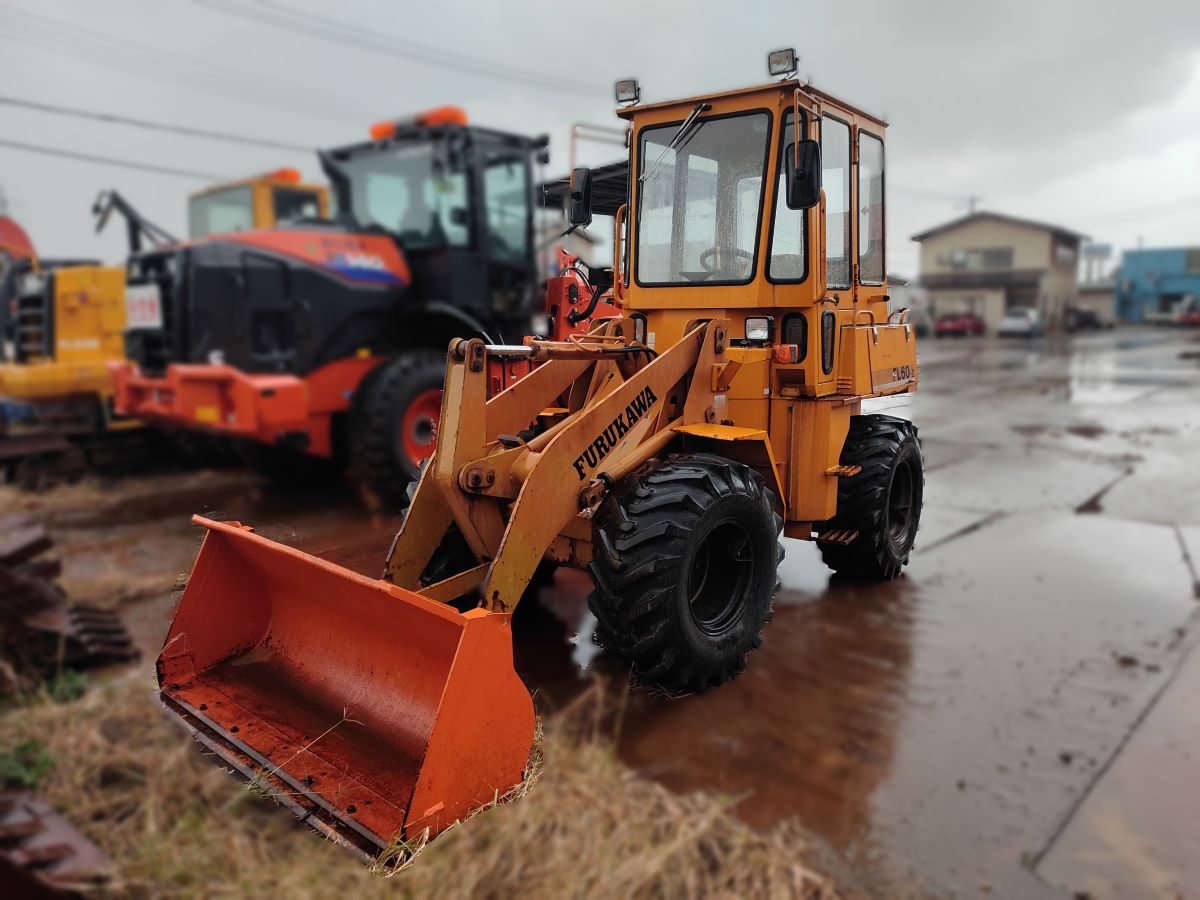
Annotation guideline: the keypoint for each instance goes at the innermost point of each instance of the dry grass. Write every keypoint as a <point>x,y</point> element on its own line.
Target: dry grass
<point>99,502</point>
<point>175,825</point>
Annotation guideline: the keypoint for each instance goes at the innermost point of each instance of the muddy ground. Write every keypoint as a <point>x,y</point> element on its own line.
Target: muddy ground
<point>1011,718</point>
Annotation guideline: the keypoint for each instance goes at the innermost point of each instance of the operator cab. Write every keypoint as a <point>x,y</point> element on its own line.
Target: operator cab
<point>271,199</point>
<point>763,205</point>
<point>458,201</point>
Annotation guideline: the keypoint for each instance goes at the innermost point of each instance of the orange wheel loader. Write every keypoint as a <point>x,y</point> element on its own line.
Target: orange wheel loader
<point>674,445</point>
<point>320,346</point>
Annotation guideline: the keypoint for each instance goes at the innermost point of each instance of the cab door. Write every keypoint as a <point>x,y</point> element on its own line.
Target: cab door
<point>506,235</point>
<point>836,307</point>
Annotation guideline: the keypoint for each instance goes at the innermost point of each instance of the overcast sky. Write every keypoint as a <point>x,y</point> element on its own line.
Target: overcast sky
<point>1084,114</point>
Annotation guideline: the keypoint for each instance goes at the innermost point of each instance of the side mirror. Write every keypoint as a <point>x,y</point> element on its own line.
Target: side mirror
<point>579,201</point>
<point>803,177</point>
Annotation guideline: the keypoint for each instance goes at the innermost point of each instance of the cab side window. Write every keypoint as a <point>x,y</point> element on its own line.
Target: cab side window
<point>506,201</point>
<point>787,261</point>
<point>835,175</point>
<point>870,209</point>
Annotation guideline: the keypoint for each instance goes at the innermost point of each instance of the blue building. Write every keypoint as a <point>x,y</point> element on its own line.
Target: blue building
<point>1151,283</point>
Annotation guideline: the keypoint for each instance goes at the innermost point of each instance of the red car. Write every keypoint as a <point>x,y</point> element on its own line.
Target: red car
<point>958,325</point>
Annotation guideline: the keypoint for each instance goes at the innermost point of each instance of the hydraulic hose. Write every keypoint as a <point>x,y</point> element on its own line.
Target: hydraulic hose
<point>575,316</point>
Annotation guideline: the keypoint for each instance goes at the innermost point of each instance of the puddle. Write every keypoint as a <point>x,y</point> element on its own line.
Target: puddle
<point>1089,431</point>
<point>939,729</point>
<point>1017,478</point>
<point>918,726</point>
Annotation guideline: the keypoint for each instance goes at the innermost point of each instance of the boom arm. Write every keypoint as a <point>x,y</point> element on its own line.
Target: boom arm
<point>512,500</point>
<point>137,225</point>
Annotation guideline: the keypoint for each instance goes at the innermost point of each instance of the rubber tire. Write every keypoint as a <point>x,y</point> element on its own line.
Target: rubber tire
<point>646,536</point>
<point>284,467</point>
<point>375,414</point>
<point>880,445</point>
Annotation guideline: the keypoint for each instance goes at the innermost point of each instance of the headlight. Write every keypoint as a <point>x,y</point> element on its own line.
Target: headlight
<point>782,62</point>
<point>758,329</point>
<point>216,357</point>
<point>795,330</point>
<point>539,325</point>
<point>627,91</point>
<point>33,283</point>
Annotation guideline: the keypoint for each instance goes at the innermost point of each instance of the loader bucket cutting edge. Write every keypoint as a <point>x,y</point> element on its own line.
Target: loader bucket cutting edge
<point>372,712</point>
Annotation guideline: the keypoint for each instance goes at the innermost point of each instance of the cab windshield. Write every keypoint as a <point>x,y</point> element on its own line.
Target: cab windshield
<point>231,209</point>
<point>412,192</point>
<point>293,204</point>
<point>700,196</point>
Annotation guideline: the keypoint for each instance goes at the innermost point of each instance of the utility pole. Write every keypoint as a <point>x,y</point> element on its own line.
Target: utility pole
<point>973,201</point>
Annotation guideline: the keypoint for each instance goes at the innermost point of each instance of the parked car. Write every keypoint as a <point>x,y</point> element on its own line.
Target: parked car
<point>963,324</point>
<point>919,319</point>
<point>1021,323</point>
<point>1180,312</point>
<point>1076,319</point>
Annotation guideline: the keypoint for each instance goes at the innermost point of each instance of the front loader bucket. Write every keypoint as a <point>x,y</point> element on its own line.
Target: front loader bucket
<point>372,712</point>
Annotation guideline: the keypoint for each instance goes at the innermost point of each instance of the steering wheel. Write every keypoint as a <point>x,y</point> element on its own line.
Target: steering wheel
<point>711,252</point>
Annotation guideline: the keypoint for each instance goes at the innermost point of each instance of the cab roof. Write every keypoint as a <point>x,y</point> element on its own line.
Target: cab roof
<point>786,86</point>
<point>270,178</point>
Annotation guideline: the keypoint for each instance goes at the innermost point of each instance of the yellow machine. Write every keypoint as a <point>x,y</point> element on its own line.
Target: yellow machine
<point>273,198</point>
<point>66,321</point>
<point>663,451</point>
<point>60,348</point>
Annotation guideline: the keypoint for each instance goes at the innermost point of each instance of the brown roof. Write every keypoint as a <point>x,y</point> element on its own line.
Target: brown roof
<point>1057,230</point>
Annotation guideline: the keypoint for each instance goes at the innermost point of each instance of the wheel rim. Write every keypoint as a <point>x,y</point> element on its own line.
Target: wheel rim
<point>418,426</point>
<point>720,577</point>
<point>900,502</point>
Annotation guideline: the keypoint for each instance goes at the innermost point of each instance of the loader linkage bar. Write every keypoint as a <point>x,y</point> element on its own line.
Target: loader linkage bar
<point>619,406</point>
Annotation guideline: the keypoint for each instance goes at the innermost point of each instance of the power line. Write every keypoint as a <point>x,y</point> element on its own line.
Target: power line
<point>115,119</point>
<point>279,15</point>
<point>111,161</point>
<point>29,29</point>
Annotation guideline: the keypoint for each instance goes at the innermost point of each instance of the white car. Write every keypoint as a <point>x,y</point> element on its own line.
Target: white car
<point>1021,323</point>
<point>1177,313</point>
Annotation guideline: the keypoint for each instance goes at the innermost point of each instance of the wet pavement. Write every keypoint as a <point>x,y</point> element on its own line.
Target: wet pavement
<point>960,731</point>
<point>1010,718</point>
<point>977,726</point>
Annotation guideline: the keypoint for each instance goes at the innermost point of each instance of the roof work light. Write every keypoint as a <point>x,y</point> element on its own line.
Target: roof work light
<point>782,62</point>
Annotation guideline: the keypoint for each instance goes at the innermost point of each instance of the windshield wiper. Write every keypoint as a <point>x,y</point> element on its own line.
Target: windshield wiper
<point>685,129</point>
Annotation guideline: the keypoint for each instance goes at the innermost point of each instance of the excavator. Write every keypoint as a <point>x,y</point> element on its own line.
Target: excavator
<point>65,320</point>
<point>15,249</point>
<point>15,244</point>
<point>664,451</point>
<point>319,346</point>
<point>277,197</point>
